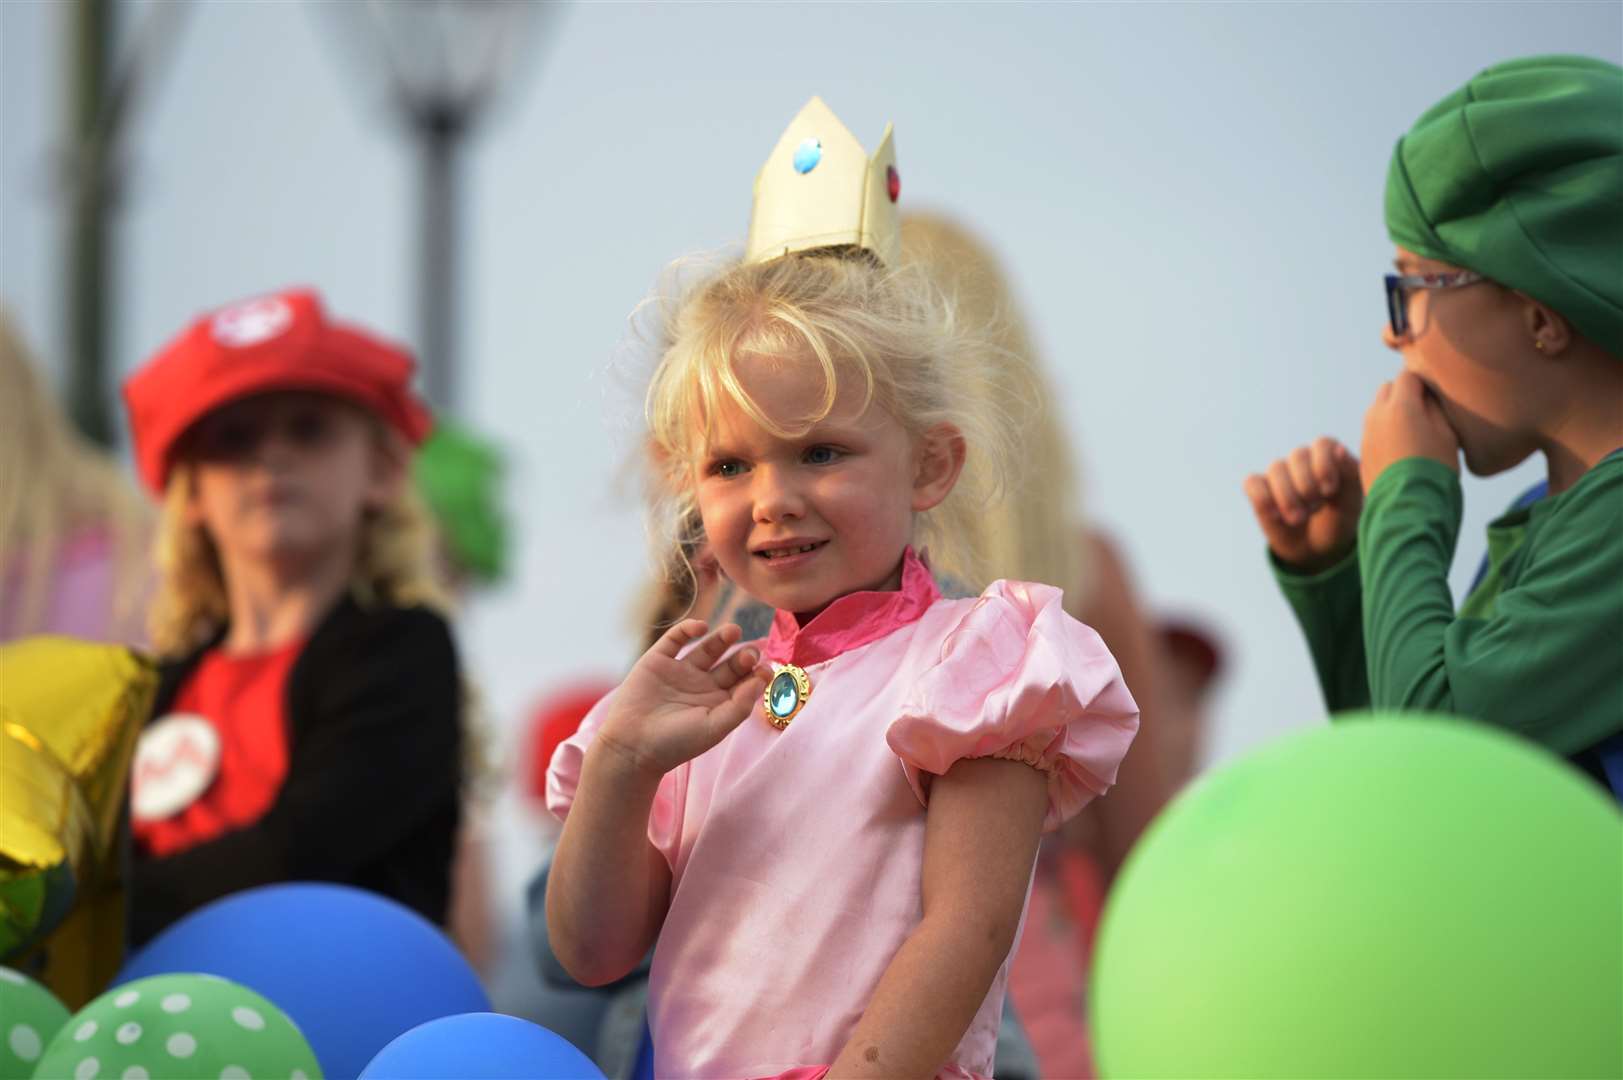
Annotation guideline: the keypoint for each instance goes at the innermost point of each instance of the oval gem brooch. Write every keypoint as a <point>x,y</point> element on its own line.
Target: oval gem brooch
<point>785,695</point>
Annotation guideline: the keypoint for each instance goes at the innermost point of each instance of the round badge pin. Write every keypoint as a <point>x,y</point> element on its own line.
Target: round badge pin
<point>786,694</point>
<point>176,760</point>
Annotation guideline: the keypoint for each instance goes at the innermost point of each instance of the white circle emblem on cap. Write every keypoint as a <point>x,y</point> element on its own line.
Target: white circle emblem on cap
<point>176,760</point>
<point>252,321</point>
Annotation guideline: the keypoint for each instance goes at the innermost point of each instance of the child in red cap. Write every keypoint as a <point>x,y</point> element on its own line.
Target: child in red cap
<point>307,724</point>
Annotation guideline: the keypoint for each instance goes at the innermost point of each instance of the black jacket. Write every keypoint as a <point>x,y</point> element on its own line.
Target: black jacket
<point>372,794</point>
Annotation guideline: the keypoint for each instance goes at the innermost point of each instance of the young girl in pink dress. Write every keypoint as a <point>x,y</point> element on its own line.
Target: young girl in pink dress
<point>829,836</point>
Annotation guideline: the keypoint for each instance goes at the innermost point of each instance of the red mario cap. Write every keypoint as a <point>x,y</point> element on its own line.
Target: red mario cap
<point>278,342</point>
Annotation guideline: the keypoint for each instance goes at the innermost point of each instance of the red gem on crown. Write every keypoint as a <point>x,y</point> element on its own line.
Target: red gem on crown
<point>893,182</point>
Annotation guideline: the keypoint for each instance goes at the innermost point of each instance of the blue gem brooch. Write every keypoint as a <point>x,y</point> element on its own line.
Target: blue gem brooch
<point>785,695</point>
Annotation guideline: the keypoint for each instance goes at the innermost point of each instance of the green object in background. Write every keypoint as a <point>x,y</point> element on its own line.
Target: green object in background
<point>179,1027</point>
<point>460,477</point>
<point>30,1016</point>
<point>1393,896</point>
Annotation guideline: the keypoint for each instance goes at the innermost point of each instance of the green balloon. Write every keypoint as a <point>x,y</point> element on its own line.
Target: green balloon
<point>1391,896</point>
<point>30,1016</point>
<point>179,1027</point>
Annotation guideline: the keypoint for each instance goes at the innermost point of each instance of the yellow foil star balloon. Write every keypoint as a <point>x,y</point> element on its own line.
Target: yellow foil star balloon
<point>70,714</point>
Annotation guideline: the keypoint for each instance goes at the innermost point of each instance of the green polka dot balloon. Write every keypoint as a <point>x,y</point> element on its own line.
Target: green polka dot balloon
<point>179,1027</point>
<point>29,1016</point>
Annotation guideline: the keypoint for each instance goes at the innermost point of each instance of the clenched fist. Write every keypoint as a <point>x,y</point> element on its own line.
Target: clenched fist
<point>1307,503</point>
<point>1406,421</point>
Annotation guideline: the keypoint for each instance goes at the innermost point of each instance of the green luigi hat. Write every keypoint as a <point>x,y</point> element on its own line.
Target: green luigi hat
<point>460,477</point>
<point>1518,175</point>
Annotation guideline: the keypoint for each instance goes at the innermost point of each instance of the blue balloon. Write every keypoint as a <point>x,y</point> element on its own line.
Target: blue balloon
<point>354,970</point>
<point>481,1046</point>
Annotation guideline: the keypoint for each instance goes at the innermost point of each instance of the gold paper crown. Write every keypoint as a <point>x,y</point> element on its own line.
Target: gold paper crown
<point>819,189</point>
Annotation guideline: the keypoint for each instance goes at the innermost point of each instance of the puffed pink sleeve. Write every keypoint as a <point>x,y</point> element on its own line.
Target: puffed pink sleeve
<point>1018,678</point>
<point>563,780</point>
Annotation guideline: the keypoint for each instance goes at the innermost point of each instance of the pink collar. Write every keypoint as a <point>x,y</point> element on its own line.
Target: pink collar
<point>853,620</point>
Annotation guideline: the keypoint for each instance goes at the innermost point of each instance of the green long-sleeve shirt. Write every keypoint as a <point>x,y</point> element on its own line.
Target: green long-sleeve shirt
<point>1536,648</point>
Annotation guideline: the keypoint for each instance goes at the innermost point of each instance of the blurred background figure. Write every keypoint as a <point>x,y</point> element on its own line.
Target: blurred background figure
<point>1193,664</point>
<point>1040,533</point>
<point>308,723</point>
<point>460,478</point>
<point>75,535</point>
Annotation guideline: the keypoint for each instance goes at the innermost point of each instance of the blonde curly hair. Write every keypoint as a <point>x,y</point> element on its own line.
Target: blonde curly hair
<point>1036,535</point>
<point>893,331</point>
<point>393,566</point>
<point>53,483</point>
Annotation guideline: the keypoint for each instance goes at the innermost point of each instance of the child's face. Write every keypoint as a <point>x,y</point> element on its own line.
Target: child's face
<point>799,522</point>
<point>1472,346</point>
<point>287,476</point>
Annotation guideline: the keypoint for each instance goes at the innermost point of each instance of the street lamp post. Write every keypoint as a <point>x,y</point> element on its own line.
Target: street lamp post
<point>101,97</point>
<point>444,61</point>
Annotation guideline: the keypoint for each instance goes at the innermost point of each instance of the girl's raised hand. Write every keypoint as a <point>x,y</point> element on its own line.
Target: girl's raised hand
<point>672,707</point>
<point>1307,503</point>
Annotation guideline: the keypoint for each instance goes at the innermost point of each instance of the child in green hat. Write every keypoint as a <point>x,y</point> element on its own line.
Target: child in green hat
<point>1505,202</point>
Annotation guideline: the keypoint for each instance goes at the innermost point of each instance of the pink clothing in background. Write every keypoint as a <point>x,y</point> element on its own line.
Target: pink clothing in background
<point>81,597</point>
<point>796,856</point>
<point>1048,977</point>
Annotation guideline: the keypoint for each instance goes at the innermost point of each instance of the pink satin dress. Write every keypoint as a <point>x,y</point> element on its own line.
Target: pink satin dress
<point>796,855</point>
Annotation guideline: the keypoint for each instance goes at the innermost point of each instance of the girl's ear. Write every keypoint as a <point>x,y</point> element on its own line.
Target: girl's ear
<point>1549,329</point>
<point>391,470</point>
<point>940,461</point>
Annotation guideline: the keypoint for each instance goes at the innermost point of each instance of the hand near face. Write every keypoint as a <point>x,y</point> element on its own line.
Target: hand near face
<point>1307,504</point>
<point>670,710</point>
<point>1406,421</point>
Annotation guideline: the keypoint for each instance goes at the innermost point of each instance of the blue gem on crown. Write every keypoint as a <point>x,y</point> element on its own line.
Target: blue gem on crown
<point>808,154</point>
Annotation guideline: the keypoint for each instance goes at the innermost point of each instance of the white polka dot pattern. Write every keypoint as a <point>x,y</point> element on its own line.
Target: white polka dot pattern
<point>248,1018</point>
<point>160,1028</point>
<point>25,1042</point>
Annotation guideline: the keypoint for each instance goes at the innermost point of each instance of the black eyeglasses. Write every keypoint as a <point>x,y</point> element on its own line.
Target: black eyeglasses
<point>1398,287</point>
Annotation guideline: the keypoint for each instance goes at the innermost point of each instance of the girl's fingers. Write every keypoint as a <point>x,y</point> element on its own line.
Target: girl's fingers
<point>705,654</point>
<point>1347,465</point>
<point>1262,501</point>
<point>1300,464</point>
<point>738,666</point>
<point>1325,465</point>
<point>676,638</point>
<point>1284,493</point>
<point>742,701</point>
